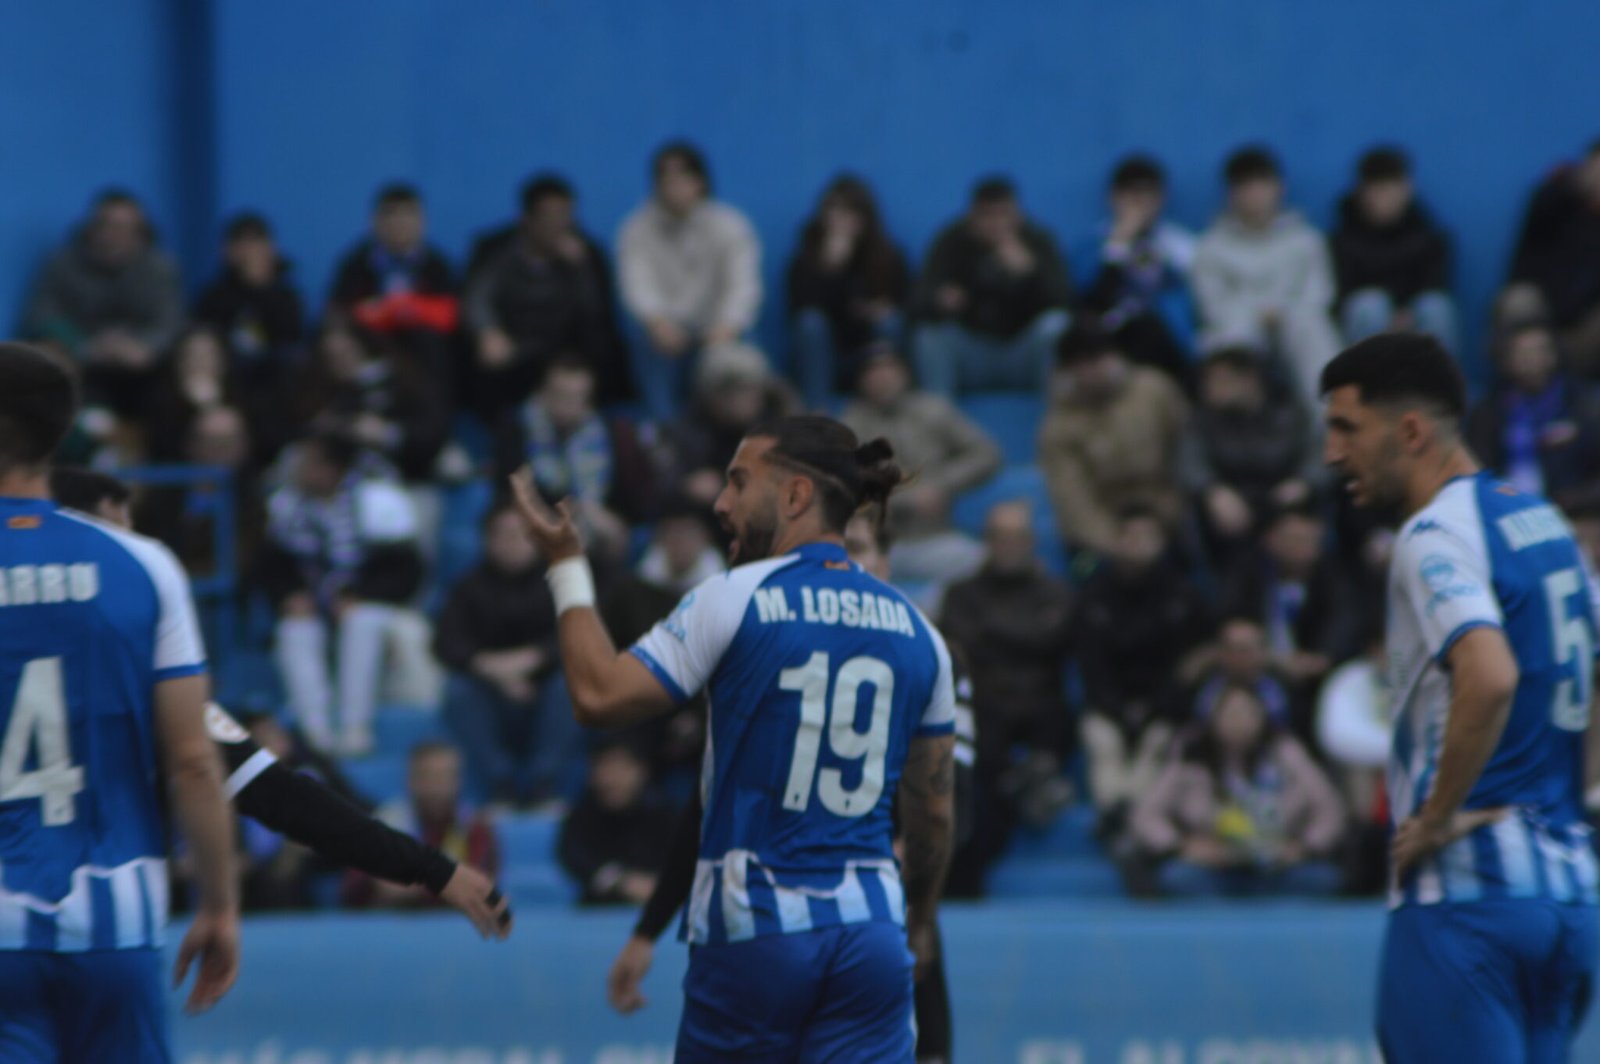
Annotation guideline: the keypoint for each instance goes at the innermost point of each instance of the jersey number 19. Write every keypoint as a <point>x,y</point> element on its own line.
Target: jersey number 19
<point>871,747</point>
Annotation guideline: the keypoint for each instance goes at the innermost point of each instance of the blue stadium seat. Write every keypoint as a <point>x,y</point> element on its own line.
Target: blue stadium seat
<point>1071,836</point>
<point>1024,482</point>
<point>530,873</point>
<point>462,511</point>
<point>399,728</point>
<point>1011,418</point>
<point>379,777</point>
<point>1056,877</point>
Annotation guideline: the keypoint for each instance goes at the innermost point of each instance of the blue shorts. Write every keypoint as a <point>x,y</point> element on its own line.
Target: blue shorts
<point>838,994</point>
<point>82,1008</point>
<point>1497,982</point>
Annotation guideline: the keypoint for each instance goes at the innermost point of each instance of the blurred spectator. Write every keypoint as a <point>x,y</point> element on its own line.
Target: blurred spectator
<point>1012,623</point>
<point>690,270</point>
<point>1140,290</point>
<point>506,700</point>
<point>1239,657</point>
<point>542,294</point>
<point>735,390</point>
<point>1354,731</point>
<point>1391,257</point>
<point>1262,275</point>
<point>433,811</point>
<point>394,283</point>
<point>1539,427</point>
<point>575,453</point>
<point>616,838</point>
<point>848,286</point>
<point>197,377</point>
<point>1241,808</point>
<point>1253,440</point>
<point>1114,436</point>
<point>1140,628</point>
<point>110,298</point>
<point>340,559</point>
<point>1558,254</point>
<point>945,452</point>
<point>680,557</point>
<point>1305,600</point>
<point>254,306</point>
<point>991,300</point>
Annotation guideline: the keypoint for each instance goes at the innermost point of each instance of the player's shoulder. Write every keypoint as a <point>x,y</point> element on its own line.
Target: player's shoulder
<point>1454,516</point>
<point>151,555</point>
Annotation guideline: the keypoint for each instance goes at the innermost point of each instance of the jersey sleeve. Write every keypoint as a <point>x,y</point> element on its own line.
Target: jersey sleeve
<point>683,650</point>
<point>939,716</point>
<point>243,759</point>
<point>1448,585</point>
<point>179,648</point>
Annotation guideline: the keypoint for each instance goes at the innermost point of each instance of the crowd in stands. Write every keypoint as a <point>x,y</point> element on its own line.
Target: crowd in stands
<point>1181,629</point>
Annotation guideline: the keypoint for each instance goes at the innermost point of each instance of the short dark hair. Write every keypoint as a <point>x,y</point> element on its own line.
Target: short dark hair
<point>429,747</point>
<point>1253,162</point>
<point>247,224</point>
<point>1399,368</point>
<point>686,153</point>
<point>116,196</point>
<point>1294,511</point>
<point>85,489</point>
<point>1138,171</point>
<point>541,187</point>
<point>336,446</point>
<point>1236,356</point>
<point>1082,342</point>
<point>38,404</point>
<point>848,474</point>
<point>396,193</point>
<point>1139,511</point>
<point>1383,163</point>
<point>996,188</point>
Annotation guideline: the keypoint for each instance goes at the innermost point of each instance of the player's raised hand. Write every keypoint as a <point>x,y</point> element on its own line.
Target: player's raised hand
<point>553,531</point>
<point>627,973</point>
<point>214,939</point>
<point>475,896</point>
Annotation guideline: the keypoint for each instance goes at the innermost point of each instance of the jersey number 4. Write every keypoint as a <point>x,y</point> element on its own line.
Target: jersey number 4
<point>39,718</point>
<point>871,747</point>
<point>1572,645</point>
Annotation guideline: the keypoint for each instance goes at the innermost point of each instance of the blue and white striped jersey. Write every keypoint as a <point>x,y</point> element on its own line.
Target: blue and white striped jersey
<point>91,619</point>
<point>818,676</point>
<point>1484,554</point>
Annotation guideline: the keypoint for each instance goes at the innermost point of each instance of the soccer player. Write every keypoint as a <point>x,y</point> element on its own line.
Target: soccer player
<point>292,803</point>
<point>829,693</point>
<point>866,540</point>
<point>102,689</point>
<point>1492,940</point>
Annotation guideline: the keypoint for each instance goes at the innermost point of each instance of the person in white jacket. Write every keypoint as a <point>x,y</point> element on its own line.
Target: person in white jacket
<point>1263,276</point>
<point>690,273</point>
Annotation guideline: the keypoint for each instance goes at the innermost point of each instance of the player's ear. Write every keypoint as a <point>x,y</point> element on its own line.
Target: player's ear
<point>1413,431</point>
<point>798,496</point>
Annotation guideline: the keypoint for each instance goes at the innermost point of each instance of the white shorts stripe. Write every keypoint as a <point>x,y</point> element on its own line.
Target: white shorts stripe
<point>127,906</point>
<point>1516,857</point>
<point>737,920</point>
<point>75,916</point>
<point>705,885</point>
<point>895,893</point>
<point>852,899</point>
<point>794,910</point>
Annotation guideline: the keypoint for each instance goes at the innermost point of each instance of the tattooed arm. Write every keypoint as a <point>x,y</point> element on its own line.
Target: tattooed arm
<point>927,815</point>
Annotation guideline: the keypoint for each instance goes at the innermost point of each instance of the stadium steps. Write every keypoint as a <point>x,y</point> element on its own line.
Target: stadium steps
<point>379,777</point>
<point>1055,877</point>
<point>1071,836</point>
<point>530,873</point>
<point>1011,419</point>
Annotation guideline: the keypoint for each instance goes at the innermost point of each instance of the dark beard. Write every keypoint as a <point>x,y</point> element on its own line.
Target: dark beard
<point>754,544</point>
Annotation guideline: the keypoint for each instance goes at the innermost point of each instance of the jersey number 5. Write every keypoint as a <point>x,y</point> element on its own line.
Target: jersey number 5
<point>39,717</point>
<point>811,680</point>
<point>1572,646</point>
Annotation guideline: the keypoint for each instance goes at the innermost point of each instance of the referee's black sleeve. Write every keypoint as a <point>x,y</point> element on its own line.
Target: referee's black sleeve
<point>677,875</point>
<point>300,808</point>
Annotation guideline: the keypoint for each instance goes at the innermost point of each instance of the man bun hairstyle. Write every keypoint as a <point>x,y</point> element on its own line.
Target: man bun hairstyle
<point>1398,368</point>
<point>38,404</point>
<point>848,474</point>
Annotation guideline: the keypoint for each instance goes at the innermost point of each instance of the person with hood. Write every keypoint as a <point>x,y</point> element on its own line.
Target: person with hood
<point>1262,275</point>
<point>1392,259</point>
<point>111,299</point>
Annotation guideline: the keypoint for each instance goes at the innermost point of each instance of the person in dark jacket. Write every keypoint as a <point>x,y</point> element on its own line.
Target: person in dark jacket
<point>1558,253</point>
<point>616,839</point>
<point>254,306</point>
<point>505,699</point>
<point>1391,258</point>
<point>1011,623</point>
<point>991,300</point>
<point>543,293</point>
<point>1254,446</point>
<point>1539,428</point>
<point>340,558</point>
<point>396,284</point>
<point>848,286</point>
<point>111,299</point>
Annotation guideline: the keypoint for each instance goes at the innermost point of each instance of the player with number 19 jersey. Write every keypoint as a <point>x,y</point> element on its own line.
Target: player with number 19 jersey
<point>1484,554</point>
<point>818,677</point>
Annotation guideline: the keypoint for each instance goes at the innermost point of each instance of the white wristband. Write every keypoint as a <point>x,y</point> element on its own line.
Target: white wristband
<point>571,583</point>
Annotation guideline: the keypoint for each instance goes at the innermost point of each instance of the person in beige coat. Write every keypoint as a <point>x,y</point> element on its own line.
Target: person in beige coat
<point>1114,437</point>
<point>1241,808</point>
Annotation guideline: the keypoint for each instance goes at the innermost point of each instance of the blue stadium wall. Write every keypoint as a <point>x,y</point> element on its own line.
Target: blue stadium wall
<point>300,107</point>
